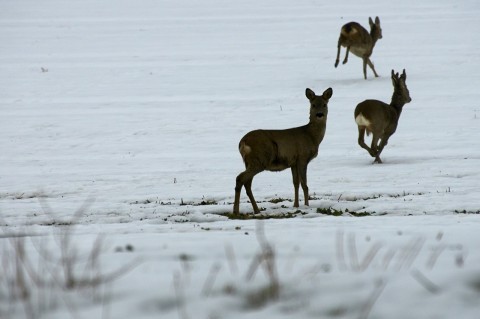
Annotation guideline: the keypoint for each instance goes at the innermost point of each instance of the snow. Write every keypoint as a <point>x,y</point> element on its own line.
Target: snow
<point>123,118</point>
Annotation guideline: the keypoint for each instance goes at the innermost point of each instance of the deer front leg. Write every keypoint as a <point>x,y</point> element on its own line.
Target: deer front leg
<point>346,55</point>
<point>370,64</point>
<point>248,189</point>
<point>338,54</point>
<point>383,143</point>
<point>375,149</point>
<point>296,183</point>
<point>365,68</point>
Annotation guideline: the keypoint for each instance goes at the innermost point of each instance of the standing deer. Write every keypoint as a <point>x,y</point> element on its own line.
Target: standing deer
<point>276,150</point>
<point>381,118</point>
<point>356,39</point>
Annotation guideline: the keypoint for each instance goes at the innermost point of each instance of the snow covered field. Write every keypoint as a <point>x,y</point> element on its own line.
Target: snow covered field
<point>130,112</point>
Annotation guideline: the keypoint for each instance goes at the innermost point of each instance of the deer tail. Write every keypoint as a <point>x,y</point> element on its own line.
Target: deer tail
<point>244,149</point>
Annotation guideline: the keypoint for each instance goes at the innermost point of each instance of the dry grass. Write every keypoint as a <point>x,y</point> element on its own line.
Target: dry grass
<point>41,272</point>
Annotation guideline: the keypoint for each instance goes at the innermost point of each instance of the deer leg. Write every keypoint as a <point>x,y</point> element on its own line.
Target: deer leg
<point>365,68</point>
<point>375,149</point>
<point>346,55</point>
<point>302,171</point>
<point>248,189</point>
<point>374,145</point>
<point>236,204</point>
<point>370,64</point>
<point>296,183</point>
<point>383,142</point>
<point>245,179</point>
<point>338,54</point>
<point>361,141</point>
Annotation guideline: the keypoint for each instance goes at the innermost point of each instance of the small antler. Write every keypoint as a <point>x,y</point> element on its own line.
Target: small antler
<point>395,76</point>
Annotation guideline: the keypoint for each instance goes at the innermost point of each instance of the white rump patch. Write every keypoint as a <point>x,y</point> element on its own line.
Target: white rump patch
<point>362,120</point>
<point>352,31</point>
<point>244,150</point>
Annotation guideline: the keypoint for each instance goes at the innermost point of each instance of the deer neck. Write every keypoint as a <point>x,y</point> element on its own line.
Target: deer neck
<point>316,130</point>
<point>374,38</point>
<point>397,103</point>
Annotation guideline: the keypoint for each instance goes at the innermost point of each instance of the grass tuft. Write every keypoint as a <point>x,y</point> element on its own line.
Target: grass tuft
<point>467,212</point>
<point>261,216</point>
<point>329,211</point>
<point>278,200</point>
<point>207,202</point>
<point>361,214</point>
<point>335,212</point>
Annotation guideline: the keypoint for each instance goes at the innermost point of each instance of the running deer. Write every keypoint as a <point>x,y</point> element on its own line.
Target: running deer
<point>380,118</point>
<point>276,150</point>
<point>356,39</point>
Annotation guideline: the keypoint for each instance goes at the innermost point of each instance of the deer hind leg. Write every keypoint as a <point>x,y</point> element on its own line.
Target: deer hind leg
<point>338,53</point>
<point>296,184</point>
<point>361,140</point>
<point>245,179</point>
<point>248,189</point>
<point>346,55</point>
<point>370,64</point>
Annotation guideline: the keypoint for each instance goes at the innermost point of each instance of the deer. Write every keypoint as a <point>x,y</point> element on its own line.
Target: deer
<point>277,150</point>
<point>361,43</point>
<point>381,119</point>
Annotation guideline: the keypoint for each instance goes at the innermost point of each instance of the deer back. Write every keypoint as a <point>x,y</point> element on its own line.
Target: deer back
<point>276,150</point>
<point>376,116</point>
<point>353,35</point>
<point>279,149</point>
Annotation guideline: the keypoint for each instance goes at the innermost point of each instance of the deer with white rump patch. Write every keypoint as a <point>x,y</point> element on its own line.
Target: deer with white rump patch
<point>276,150</point>
<point>380,118</point>
<point>357,40</point>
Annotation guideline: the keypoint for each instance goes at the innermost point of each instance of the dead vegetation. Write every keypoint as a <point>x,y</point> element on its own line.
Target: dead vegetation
<point>41,272</point>
<point>262,281</point>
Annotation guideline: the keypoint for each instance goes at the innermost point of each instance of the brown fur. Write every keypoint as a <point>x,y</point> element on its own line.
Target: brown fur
<point>276,150</point>
<point>357,40</point>
<point>381,119</point>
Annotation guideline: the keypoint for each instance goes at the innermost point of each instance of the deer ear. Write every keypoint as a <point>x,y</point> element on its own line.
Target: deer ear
<point>327,94</point>
<point>377,20</point>
<point>309,94</point>
<point>370,21</point>
<point>404,75</point>
<point>394,77</point>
